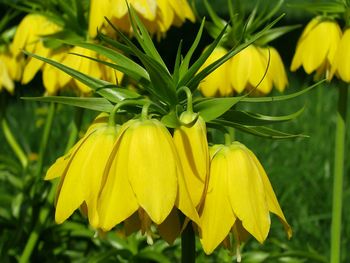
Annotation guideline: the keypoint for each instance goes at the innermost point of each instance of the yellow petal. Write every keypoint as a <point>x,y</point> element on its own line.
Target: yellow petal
<point>98,10</point>
<point>192,146</point>
<point>152,167</point>
<point>342,57</point>
<point>246,192</point>
<point>217,217</point>
<point>113,208</point>
<point>146,8</point>
<point>272,202</point>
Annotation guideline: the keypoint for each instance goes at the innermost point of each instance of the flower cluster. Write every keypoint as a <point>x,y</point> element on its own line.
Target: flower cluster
<point>138,174</point>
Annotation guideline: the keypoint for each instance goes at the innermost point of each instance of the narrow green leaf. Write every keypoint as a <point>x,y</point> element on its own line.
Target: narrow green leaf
<point>185,63</point>
<point>115,44</point>
<point>255,119</point>
<point>143,37</point>
<point>275,33</point>
<point>212,108</point>
<point>96,104</point>
<point>219,23</point>
<point>176,72</point>
<point>282,97</point>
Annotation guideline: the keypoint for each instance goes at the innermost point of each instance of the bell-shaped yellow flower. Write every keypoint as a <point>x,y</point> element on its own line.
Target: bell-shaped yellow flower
<point>239,198</point>
<point>248,69</point>
<point>341,65</point>
<point>317,46</point>
<point>192,145</point>
<point>275,71</point>
<point>216,83</point>
<point>157,15</point>
<point>28,37</point>
<point>81,172</point>
<point>144,176</point>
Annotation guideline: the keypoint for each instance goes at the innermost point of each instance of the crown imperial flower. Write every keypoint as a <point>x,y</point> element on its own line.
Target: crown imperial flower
<point>317,46</point>
<point>81,172</point>
<point>341,65</point>
<point>240,185</point>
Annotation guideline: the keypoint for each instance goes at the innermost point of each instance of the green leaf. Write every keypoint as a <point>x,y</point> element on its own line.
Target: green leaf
<point>275,33</point>
<point>123,63</point>
<point>96,104</point>
<point>282,97</point>
<point>212,108</point>
<point>185,63</point>
<point>143,37</point>
<point>260,131</point>
<point>255,119</point>
<point>176,73</point>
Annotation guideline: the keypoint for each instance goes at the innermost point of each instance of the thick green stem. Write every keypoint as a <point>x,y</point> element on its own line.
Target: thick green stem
<point>338,175</point>
<point>11,140</point>
<point>188,245</point>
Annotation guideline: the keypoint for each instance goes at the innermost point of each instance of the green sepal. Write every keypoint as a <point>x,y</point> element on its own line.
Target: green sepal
<point>212,108</point>
<point>96,104</point>
<point>256,119</point>
<point>171,120</point>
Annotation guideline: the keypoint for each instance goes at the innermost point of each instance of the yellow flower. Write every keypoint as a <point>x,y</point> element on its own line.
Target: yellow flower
<point>341,65</point>
<point>247,70</point>
<point>55,79</point>
<point>192,145</point>
<point>5,79</point>
<point>144,179</point>
<point>239,198</point>
<point>218,82</point>
<point>28,37</point>
<point>275,72</point>
<point>81,172</point>
<point>157,15</point>
<point>317,46</point>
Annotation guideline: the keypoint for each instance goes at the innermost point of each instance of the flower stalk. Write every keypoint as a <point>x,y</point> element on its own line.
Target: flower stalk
<point>188,245</point>
<point>338,175</point>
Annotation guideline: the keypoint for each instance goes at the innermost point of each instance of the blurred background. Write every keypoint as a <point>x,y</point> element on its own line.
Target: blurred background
<point>300,171</point>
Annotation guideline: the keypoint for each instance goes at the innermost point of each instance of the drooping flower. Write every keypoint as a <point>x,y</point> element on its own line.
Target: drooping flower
<point>29,37</point>
<point>317,46</point>
<point>81,171</point>
<point>258,68</point>
<point>144,179</point>
<point>55,79</point>
<point>218,82</point>
<point>157,15</point>
<point>239,198</point>
<point>191,143</point>
<point>341,65</point>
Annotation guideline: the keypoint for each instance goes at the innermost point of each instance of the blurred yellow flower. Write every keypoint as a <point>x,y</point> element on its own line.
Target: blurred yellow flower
<point>218,82</point>
<point>144,179</point>
<point>192,146</point>
<point>55,79</point>
<point>239,198</point>
<point>81,171</point>
<point>317,46</point>
<point>5,79</point>
<point>157,15</point>
<point>244,71</point>
<point>29,37</point>
<point>341,65</point>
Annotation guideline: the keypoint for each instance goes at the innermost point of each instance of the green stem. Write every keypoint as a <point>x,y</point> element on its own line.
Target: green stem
<point>44,212</point>
<point>338,175</point>
<point>45,138</point>
<point>188,246</point>
<point>11,140</point>
<point>189,97</point>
